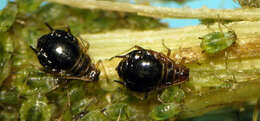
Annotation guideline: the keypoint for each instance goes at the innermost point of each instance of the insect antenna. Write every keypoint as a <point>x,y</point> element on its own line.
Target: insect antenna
<point>68,28</point>
<point>35,50</point>
<point>120,82</point>
<point>51,29</point>
<point>168,49</point>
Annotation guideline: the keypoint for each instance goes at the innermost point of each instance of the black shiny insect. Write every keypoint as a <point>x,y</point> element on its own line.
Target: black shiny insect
<point>143,70</point>
<point>60,53</point>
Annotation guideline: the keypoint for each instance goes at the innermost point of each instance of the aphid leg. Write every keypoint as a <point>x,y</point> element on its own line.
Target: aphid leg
<point>159,99</point>
<point>103,110</point>
<point>53,89</point>
<point>68,97</point>
<point>85,111</point>
<point>238,115</point>
<point>118,118</point>
<point>78,78</point>
<point>24,83</point>
<point>219,26</point>
<point>168,49</point>
<point>226,60</point>
<point>50,28</point>
<point>146,95</point>
<point>256,111</point>
<point>100,62</point>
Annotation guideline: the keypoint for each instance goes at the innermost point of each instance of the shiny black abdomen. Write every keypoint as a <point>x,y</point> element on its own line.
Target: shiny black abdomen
<point>60,53</point>
<point>141,71</point>
<point>145,70</point>
<point>58,50</point>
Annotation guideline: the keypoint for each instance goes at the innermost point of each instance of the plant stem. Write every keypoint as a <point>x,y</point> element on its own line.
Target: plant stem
<point>162,12</point>
<point>214,81</point>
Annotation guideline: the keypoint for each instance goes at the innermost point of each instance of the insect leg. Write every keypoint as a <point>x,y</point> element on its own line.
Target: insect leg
<point>256,111</point>
<point>85,47</point>
<point>78,78</point>
<point>168,49</point>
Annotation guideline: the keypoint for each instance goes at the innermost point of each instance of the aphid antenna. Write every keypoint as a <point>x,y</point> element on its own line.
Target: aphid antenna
<point>118,56</point>
<point>100,62</point>
<point>53,89</point>
<point>120,82</point>
<point>219,26</point>
<point>50,28</point>
<point>125,56</point>
<point>86,46</point>
<point>85,111</point>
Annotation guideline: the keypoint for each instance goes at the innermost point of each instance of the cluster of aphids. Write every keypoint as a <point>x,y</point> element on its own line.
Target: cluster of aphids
<point>141,70</point>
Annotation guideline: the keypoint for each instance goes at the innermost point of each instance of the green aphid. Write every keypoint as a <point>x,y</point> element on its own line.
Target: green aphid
<point>36,108</point>
<point>7,16</point>
<point>165,111</point>
<point>116,112</point>
<point>6,50</point>
<point>28,6</point>
<point>80,106</point>
<point>8,115</point>
<point>215,42</point>
<point>9,97</point>
<point>172,94</point>
<point>94,116</point>
<point>38,82</point>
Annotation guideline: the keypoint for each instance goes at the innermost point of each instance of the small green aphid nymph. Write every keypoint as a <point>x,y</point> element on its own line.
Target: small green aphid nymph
<point>215,42</point>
